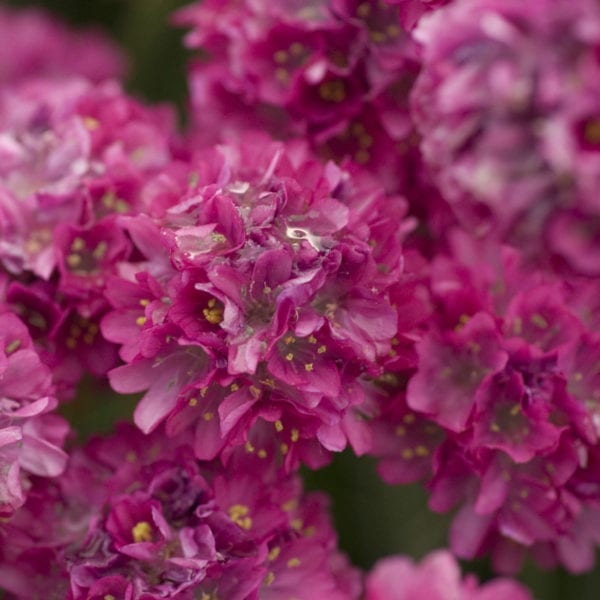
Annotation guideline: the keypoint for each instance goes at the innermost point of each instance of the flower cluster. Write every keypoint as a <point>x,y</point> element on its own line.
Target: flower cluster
<point>378,232</point>
<point>30,438</point>
<point>437,577</point>
<point>75,155</point>
<point>501,414</point>
<point>260,291</point>
<point>507,108</point>
<point>137,516</point>
<point>335,73</point>
<point>35,44</point>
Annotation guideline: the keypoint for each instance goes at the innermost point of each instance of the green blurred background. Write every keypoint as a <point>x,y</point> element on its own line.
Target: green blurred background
<point>373,520</point>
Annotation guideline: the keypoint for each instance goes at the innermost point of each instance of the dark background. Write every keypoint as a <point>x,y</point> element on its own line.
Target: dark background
<point>373,520</point>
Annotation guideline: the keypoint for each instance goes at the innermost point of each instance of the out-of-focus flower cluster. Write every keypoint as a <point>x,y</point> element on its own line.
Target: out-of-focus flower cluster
<point>378,232</point>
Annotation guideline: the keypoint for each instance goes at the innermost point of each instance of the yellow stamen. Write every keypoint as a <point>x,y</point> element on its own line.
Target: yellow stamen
<point>142,532</point>
<point>239,515</point>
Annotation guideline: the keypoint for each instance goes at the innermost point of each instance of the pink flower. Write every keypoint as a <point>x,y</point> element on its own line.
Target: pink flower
<point>39,45</point>
<point>437,577</point>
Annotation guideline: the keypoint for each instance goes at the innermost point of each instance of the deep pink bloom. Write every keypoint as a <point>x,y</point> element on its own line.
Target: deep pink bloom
<point>140,517</point>
<point>36,44</point>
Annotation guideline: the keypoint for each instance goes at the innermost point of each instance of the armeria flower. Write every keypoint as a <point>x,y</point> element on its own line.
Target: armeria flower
<point>510,133</point>
<point>261,293</point>
<point>337,73</point>
<point>37,44</point>
<point>499,412</point>
<point>160,524</point>
<point>30,439</point>
<point>77,156</point>
<point>436,577</point>
<point>73,154</point>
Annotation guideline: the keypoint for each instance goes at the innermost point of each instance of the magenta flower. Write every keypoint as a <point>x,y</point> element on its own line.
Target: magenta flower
<point>30,440</point>
<point>39,45</point>
<point>437,577</point>
<point>159,525</point>
<point>507,129</point>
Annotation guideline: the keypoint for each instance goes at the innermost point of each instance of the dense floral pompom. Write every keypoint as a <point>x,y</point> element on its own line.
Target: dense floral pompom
<point>35,44</point>
<point>260,291</point>
<point>335,73</point>
<point>75,155</point>
<point>138,517</point>
<point>507,107</point>
<point>501,413</point>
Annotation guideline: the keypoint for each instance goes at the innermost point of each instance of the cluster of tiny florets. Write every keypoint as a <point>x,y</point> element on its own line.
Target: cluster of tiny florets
<point>378,231</point>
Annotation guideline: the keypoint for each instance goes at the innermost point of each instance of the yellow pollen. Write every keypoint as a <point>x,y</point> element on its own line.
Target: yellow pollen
<point>280,56</point>
<point>10,348</point>
<point>377,36</point>
<point>203,391</point>
<point>539,321</point>
<point>208,416</point>
<point>578,376</point>
<point>297,524</point>
<point>290,339</point>
<point>290,505</point>
<point>144,302</point>
<point>282,75</point>
<point>312,339</point>
<point>109,597</point>
<point>592,131</point>
<point>239,515</point>
<point>400,431</point>
<point>408,419</point>
<point>495,427</point>
<point>193,401</point>
<point>515,410</point>
<point>262,453</point>
<point>100,250</point>
<point>73,260</point>
<point>393,30</point>
<point>308,367</point>
<point>284,448</point>
<point>363,10</point>
<point>71,343</point>
<point>270,578</point>
<point>278,426</point>
<point>93,124</point>
<point>249,447</point>
<point>296,49</point>
<point>332,90</point>
<point>142,532</point>
<point>255,391</point>
<point>421,451</point>
<point>274,553</point>
<point>309,531</point>
<point>293,562</point>
<point>234,387</point>
<point>289,356</point>
<point>407,453</point>
<point>141,321</point>
<point>213,314</point>
<point>78,244</point>
<point>93,328</point>
<point>321,349</point>
<point>295,435</point>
